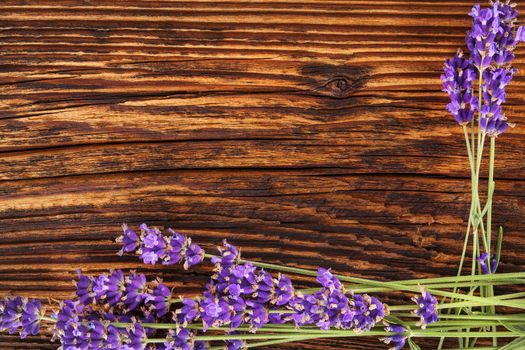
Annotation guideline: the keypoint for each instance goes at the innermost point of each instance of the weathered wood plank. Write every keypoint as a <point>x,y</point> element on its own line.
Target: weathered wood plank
<point>59,225</point>
<point>308,132</point>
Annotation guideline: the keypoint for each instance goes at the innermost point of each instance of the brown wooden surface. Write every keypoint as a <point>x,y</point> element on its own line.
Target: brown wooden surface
<point>307,132</point>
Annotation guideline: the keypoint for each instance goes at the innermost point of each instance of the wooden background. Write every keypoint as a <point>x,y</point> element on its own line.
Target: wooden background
<point>308,132</point>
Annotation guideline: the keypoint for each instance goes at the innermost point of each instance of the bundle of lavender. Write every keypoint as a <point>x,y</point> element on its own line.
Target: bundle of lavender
<point>245,305</point>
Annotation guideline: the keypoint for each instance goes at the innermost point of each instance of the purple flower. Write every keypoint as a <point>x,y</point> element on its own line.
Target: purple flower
<point>114,338</point>
<point>214,311</point>
<point>100,287</point>
<point>69,312</point>
<point>491,38</point>
<point>427,308</point>
<point>327,279</point>
<point>491,42</point>
<point>264,287</point>
<point>84,289</point>
<point>483,261</point>
<point>153,245</point>
<point>229,256</point>
<point>494,127</point>
<point>457,80</point>
<point>136,291</point>
<point>175,249</point>
<point>305,307</point>
<point>257,315</point>
<point>398,340</point>
<point>284,290</point>
<point>194,255</point>
<point>136,337</point>
<point>235,344</point>
<point>129,239</point>
<point>368,311</point>
<point>89,289</point>
<point>188,312</point>
<point>330,307</point>
<point>520,34</point>
<point>179,340</point>
<point>160,300</point>
<point>20,315</point>
<point>116,288</point>
<point>80,328</point>
<point>30,318</point>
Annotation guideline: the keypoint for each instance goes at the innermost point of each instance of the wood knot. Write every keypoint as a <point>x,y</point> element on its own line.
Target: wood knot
<point>335,81</point>
<point>339,85</point>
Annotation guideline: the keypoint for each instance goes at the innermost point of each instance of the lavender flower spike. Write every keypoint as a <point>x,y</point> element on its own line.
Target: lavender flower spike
<point>20,315</point>
<point>129,239</point>
<point>483,259</point>
<point>153,246</point>
<point>427,308</point>
<point>459,73</point>
<point>493,122</point>
<point>398,340</point>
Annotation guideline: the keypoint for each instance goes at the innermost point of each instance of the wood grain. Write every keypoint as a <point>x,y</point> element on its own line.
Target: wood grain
<point>308,132</point>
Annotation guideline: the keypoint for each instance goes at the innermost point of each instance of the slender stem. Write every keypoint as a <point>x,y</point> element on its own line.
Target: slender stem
<point>512,317</point>
<point>490,193</point>
<point>431,285</point>
<point>406,284</point>
<point>278,341</point>
<point>351,334</point>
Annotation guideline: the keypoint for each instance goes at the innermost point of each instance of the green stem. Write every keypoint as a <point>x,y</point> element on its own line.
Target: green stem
<point>432,286</point>
<point>512,317</point>
<point>278,341</point>
<point>403,285</point>
<point>490,192</point>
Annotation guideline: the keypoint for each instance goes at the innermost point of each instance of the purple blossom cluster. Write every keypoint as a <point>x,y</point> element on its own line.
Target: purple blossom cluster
<point>398,340</point>
<point>128,299</point>
<point>493,37</point>
<point>330,307</point>
<point>83,328</point>
<point>20,315</point>
<point>126,293</point>
<point>118,310</point>
<point>152,245</point>
<point>485,260</point>
<point>458,83</point>
<point>240,294</point>
<point>492,119</point>
<point>427,308</point>
<point>491,42</point>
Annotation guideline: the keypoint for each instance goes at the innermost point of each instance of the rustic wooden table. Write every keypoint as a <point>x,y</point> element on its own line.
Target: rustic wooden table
<point>308,132</point>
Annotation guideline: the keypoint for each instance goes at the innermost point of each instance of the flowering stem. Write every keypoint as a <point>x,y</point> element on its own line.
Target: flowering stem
<point>491,187</point>
<point>278,341</point>
<point>490,193</point>
<point>511,317</point>
<point>403,285</point>
<point>470,220</point>
<point>349,334</point>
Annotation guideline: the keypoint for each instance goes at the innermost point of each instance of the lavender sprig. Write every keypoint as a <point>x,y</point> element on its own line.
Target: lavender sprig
<point>491,42</point>
<point>152,246</point>
<point>126,311</point>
